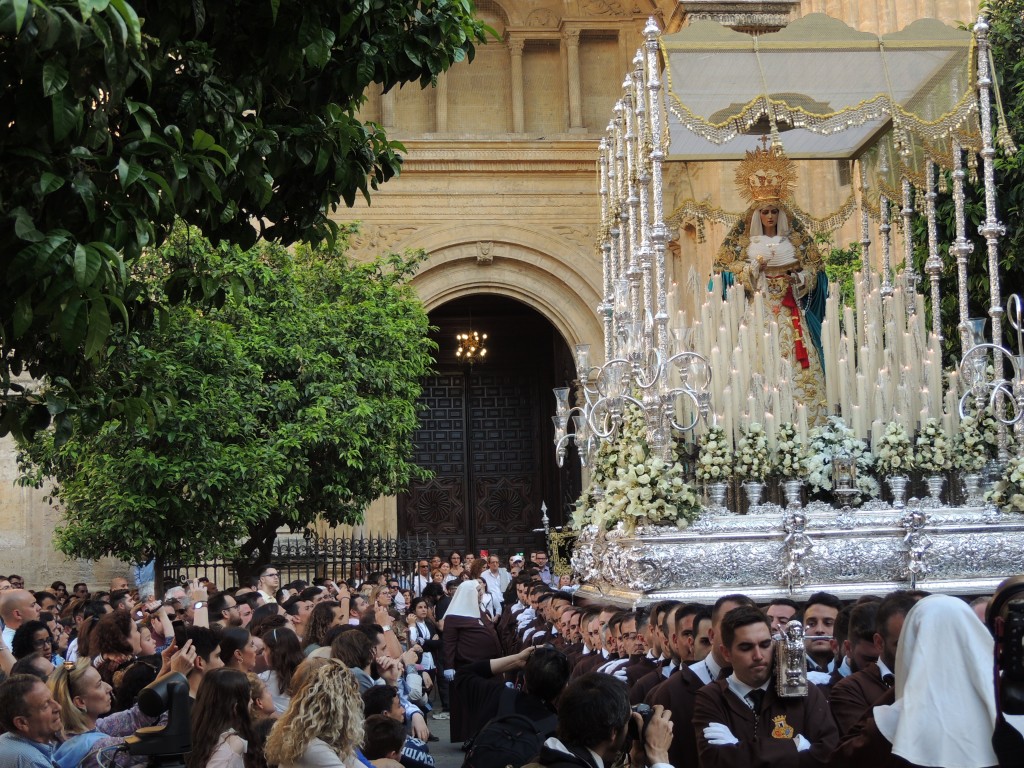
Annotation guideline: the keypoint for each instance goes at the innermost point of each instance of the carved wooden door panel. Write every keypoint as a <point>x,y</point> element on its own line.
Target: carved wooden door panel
<point>437,507</point>
<point>480,436</point>
<point>504,438</point>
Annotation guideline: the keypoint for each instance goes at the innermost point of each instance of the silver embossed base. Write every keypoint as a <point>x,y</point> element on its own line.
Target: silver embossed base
<point>969,551</point>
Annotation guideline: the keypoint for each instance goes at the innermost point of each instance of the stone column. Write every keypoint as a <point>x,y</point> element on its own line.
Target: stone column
<point>571,38</point>
<point>515,52</point>
<point>441,103</point>
<point>387,108</point>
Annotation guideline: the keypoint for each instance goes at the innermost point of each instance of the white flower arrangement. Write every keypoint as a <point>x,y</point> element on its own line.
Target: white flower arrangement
<point>835,438</point>
<point>894,452</point>
<point>789,461</point>
<point>970,451</point>
<point>631,486</point>
<point>1008,493</point>
<point>752,460</point>
<point>933,454</point>
<point>714,460</point>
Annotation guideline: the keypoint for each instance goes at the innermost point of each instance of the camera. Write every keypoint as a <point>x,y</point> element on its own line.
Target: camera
<point>1005,618</point>
<point>634,732</point>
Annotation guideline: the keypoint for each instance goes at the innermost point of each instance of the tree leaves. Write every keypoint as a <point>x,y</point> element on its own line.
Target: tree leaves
<point>120,118</point>
<point>294,400</point>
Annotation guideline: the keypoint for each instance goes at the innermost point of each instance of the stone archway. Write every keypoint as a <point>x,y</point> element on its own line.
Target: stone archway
<point>556,277</point>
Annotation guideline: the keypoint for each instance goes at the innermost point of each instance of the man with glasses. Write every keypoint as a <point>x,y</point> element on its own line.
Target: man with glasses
<point>268,584</point>
<point>421,579</point>
<point>17,582</point>
<point>397,598</point>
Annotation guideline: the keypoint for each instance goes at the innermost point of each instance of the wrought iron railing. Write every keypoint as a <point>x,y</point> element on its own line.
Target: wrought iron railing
<point>333,557</point>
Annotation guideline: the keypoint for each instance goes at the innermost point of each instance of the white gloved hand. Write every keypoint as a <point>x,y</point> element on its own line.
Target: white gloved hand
<point>802,744</point>
<point>819,678</point>
<point>719,735</point>
<point>620,674</point>
<point>449,674</point>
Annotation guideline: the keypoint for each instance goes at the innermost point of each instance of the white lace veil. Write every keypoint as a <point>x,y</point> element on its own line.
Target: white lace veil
<point>782,227</point>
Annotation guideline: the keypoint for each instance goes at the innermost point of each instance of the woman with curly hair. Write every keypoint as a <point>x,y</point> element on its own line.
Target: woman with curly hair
<point>114,641</point>
<point>221,723</point>
<point>283,655</point>
<point>323,725</point>
<point>326,614</point>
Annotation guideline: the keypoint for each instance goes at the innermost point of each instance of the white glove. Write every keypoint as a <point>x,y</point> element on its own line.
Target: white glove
<point>802,744</point>
<point>449,674</point>
<point>620,674</point>
<point>819,678</point>
<point>719,735</point>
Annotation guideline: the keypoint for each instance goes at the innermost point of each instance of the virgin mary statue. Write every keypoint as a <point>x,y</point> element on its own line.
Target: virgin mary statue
<point>769,252</point>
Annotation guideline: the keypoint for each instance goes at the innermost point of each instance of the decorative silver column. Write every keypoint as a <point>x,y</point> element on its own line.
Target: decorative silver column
<point>962,247</point>
<point>991,229</point>
<point>659,232</point>
<point>933,265</point>
<point>885,229</point>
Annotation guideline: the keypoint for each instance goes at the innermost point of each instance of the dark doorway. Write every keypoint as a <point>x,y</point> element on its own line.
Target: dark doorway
<point>486,432</point>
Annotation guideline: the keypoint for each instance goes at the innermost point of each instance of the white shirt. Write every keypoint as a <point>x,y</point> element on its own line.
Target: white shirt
<point>707,670</point>
<point>741,689</point>
<point>495,588</point>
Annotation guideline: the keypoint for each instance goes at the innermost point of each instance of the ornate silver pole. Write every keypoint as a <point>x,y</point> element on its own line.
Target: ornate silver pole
<point>991,230</point>
<point>604,309</point>
<point>633,273</point>
<point>659,233</point>
<point>885,229</point>
<point>962,248</point>
<point>621,209</point>
<point>907,213</point>
<point>643,184</point>
<point>865,222</point>
<point>933,266</point>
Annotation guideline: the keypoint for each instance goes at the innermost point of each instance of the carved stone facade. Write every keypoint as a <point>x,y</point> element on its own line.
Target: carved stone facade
<point>500,186</point>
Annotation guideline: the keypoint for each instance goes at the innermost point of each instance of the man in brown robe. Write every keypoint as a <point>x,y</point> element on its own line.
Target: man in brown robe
<point>740,721</point>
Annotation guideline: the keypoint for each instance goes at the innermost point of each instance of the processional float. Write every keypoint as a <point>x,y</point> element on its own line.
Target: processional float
<point>685,398</point>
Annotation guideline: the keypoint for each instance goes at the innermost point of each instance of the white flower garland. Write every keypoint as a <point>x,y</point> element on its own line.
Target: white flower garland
<point>895,454</point>
<point>970,450</point>
<point>631,486</point>
<point>933,450</point>
<point>715,459</point>
<point>790,459</point>
<point>832,439</point>
<point>752,461</point>
<point>1008,493</point>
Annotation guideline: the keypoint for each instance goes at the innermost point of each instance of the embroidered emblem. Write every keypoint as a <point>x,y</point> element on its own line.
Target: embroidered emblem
<point>782,729</point>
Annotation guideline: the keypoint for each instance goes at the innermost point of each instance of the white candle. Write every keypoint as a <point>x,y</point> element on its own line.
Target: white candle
<point>801,420</point>
<point>876,434</point>
<point>769,429</point>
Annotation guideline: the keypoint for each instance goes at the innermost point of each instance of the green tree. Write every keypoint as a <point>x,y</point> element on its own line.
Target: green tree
<point>1006,18</point>
<point>293,402</point>
<point>238,116</point>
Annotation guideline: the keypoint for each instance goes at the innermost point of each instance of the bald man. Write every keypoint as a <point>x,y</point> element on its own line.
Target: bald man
<point>16,607</point>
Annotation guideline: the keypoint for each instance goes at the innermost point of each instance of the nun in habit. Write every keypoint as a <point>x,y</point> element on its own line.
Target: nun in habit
<point>469,636</point>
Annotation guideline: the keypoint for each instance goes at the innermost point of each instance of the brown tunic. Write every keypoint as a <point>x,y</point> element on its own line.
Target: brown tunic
<point>769,737</point>
<point>677,695</point>
<point>646,685</point>
<point>637,669</point>
<point>855,695</point>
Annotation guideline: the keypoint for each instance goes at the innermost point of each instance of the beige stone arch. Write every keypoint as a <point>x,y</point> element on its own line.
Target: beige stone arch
<point>512,262</point>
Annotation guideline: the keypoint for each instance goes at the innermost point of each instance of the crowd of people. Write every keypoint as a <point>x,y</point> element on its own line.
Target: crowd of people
<point>348,673</point>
